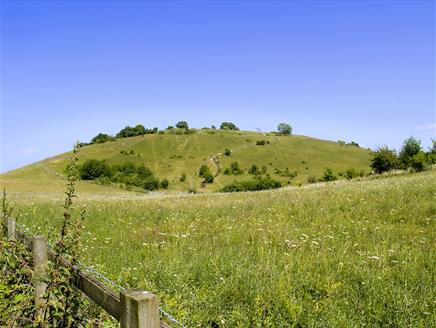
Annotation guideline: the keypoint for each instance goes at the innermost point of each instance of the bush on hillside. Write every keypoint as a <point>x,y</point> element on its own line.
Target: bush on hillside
<point>164,183</point>
<point>204,170</point>
<point>235,168</point>
<point>227,152</point>
<point>127,174</point>
<point>253,185</point>
<point>351,174</point>
<point>93,169</point>
<point>384,160</point>
<point>329,175</point>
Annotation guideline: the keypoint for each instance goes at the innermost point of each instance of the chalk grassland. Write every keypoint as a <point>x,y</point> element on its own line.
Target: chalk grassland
<point>344,254</point>
<point>169,156</point>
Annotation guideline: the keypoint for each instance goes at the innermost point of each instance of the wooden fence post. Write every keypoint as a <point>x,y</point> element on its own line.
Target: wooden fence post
<point>40,254</point>
<point>11,229</point>
<point>139,309</point>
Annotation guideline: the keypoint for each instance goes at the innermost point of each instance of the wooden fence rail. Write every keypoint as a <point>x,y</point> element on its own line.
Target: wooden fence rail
<point>133,308</point>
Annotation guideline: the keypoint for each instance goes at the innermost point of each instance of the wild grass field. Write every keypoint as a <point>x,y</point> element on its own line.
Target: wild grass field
<point>170,155</point>
<point>342,254</point>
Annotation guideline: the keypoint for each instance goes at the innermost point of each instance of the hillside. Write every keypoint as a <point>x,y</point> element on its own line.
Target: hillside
<point>171,155</point>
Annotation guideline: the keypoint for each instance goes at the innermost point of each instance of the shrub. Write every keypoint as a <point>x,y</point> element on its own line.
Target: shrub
<point>254,170</point>
<point>208,178</point>
<point>352,143</point>
<point>164,183</point>
<point>384,160</point>
<point>351,173</point>
<point>204,171</point>
<point>227,171</point>
<point>151,183</point>
<point>227,152</point>
<point>284,129</point>
<point>328,175</point>
<point>182,125</point>
<point>260,143</point>
<point>253,185</point>
<point>93,169</point>
<point>311,179</point>
<point>235,168</point>
<point>182,177</point>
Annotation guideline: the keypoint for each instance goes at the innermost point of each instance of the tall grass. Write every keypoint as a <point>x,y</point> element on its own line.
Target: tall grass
<point>351,254</point>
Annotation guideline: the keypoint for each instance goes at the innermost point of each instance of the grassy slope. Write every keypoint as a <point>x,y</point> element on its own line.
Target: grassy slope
<point>171,155</point>
<point>344,254</point>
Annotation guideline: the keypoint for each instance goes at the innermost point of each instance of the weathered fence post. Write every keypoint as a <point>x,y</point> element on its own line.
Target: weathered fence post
<point>11,229</point>
<point>139,309</point>
<point>40,254</point>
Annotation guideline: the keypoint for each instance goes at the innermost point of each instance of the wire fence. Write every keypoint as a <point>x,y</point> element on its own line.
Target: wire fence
<point>105,279</point>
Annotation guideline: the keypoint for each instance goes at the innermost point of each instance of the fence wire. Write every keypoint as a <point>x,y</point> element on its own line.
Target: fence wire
<point>105,279</point>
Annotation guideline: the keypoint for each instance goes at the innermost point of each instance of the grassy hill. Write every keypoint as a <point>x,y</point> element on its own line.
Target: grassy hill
<point>171,155</point>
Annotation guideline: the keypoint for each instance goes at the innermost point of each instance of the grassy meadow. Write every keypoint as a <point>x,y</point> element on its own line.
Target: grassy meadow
<point>171,155</point>
<point>344,254</point>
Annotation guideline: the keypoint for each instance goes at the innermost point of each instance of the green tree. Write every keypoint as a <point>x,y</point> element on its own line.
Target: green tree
<point>182,125</point>
<point>384,160</point>
<point>101,137</point>
<point>228,126</point>
<point>411,147</point>
<point>419,162</point>
<point>284,129</point>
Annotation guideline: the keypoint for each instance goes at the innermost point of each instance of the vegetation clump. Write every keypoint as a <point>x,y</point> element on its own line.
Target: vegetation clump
<point>284,129</point>
<point>329,175</point>
<point>206,174</point>
<point>127,174</point>
<point>228,126</point>
<point>252,185</point>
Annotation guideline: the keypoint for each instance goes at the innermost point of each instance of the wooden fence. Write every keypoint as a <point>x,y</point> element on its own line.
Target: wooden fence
<point>133,308</point>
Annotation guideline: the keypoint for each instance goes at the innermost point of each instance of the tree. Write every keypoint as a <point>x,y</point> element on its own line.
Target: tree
<point>228,126</point>
<point>182,125</point>
<point>101,137</point>
<point>419,162</point>
<point>411,147</point>
<point>384,160</point>
<point>284,129</point>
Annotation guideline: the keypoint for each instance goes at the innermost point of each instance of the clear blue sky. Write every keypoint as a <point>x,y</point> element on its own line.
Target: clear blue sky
<point>356,70</point>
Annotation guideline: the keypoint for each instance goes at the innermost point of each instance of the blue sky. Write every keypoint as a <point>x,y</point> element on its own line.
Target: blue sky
<point>350,70</point>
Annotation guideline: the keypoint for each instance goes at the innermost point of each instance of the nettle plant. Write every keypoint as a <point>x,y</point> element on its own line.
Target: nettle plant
<point>64,305</point>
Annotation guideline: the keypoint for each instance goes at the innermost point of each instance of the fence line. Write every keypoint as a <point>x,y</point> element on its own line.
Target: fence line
<point>133,308</point>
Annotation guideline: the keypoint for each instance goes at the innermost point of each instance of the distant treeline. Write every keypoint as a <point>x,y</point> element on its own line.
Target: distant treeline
<point>182,127</point>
